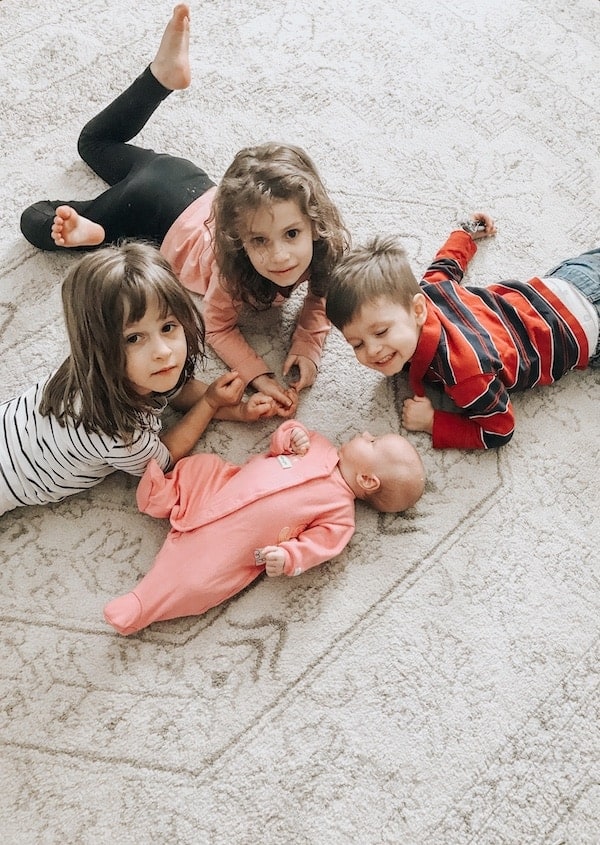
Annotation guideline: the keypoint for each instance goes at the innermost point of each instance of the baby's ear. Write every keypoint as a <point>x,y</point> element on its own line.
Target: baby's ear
<point>368,483</point>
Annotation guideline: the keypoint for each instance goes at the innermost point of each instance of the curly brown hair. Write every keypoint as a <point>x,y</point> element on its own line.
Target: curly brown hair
<point>103,290</point>
<point>259,176</point>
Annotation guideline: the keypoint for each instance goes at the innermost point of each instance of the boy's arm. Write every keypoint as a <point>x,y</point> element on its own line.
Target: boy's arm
<point>486,422</point>
<point>451,260</point>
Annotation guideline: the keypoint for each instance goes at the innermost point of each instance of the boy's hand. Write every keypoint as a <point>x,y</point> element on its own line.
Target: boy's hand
<point>258,407</point>
<point>306,368</point>
<point>417,414</point>
<point>228,389</point>
<point>273,559</point>
<point>488,223</point>
<point>299,441</point>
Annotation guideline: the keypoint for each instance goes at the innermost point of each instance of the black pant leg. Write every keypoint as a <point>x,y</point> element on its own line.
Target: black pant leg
<point>148,190</point>
<point>102,142</point>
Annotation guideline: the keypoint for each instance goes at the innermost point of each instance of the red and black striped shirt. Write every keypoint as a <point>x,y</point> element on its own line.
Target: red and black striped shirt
<point>482,343</point>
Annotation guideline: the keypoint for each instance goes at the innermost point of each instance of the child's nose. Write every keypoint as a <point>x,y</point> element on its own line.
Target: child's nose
<point>160,347</point>
<point>280,250</point>
<point>373,345</point>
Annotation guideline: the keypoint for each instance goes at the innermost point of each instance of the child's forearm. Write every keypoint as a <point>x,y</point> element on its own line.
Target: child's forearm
<point>191,393</point>
<point>181,438</point>
<point>453,431</point>
<point>235,413</point>
<point>458,250</point>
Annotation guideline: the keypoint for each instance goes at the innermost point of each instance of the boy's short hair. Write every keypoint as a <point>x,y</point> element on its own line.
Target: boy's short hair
<point>366,273</point>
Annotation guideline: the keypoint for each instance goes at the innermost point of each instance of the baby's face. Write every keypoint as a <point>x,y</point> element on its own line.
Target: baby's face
<point>369,455</point>
<point>384,334</point>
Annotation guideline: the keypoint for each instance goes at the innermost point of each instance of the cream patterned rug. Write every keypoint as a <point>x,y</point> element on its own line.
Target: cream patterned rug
<point>437,684</point>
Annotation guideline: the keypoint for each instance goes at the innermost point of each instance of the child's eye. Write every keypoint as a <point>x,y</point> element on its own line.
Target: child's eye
<point>258,241</point>
<point>356,346</point>
<point>381,332</point>
<point>132,338</point>
<point>293,233</point>
<point>170,327</point>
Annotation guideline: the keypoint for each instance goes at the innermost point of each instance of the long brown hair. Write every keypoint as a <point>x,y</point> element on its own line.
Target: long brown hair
<point>259,176</point>
<point>102,290</point>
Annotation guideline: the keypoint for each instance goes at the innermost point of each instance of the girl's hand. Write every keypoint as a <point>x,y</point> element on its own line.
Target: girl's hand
<point>290,411</point>
<point>299,441</point>
<point>274,560</point>
<point>417,414</point>
<point>258,407</point>
<point>490,226</point>
<point>270,386</point>
<point>228,389</point>
<point>307,370</point>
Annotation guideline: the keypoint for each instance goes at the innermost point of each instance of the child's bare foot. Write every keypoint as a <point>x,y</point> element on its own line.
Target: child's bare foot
<point>171,65</point>
<point>71,229</point>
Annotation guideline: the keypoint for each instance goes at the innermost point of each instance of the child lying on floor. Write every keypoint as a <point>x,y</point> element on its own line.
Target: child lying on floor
<point>282,512</point>
<point>478,343</point>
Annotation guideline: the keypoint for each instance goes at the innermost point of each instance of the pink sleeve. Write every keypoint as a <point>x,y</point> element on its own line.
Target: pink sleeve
<point>319,542</point>
<point>155,494</point>
<point>281,438</point>
<point>221,314</point>
<point>312,329</point>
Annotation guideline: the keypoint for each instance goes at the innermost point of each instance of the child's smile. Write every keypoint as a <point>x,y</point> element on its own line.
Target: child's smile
<point>384,334</point>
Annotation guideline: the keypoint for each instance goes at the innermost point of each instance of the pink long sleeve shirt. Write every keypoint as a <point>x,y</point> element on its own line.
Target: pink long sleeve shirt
<point>220,513</point>
<point>188,247</point>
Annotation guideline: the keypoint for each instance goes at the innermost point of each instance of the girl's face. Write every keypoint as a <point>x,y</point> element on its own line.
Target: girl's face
<point>155,351</point>
<point>278,240</point>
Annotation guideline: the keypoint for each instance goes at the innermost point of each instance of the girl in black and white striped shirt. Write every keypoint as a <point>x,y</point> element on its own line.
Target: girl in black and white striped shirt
<point>135,338</point>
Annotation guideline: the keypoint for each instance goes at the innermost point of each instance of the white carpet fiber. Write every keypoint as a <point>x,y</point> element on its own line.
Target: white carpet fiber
<point>437,684</point>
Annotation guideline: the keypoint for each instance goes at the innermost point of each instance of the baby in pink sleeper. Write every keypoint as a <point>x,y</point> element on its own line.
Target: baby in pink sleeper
<point>282,512</point>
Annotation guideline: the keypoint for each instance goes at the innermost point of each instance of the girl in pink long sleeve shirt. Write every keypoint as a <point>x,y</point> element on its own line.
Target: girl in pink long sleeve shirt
<point>269,227</point>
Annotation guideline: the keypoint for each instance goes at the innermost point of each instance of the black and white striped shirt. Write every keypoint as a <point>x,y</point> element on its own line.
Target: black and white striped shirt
<point>42,461</point>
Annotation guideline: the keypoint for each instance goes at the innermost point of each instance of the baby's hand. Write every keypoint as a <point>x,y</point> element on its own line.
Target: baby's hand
<point>258,407</point>
<point>273,559</point>
<point>228,389</point>
<point>489,227</point>
<point>299,441</point>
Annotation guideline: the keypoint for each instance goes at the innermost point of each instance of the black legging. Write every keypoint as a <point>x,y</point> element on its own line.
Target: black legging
<point>148,190</point>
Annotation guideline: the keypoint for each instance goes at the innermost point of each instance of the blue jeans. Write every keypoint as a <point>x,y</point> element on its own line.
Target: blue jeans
<point>583,273</point>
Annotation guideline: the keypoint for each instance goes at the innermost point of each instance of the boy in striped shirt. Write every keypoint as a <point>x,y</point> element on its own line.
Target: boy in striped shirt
<point>479,344</point>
